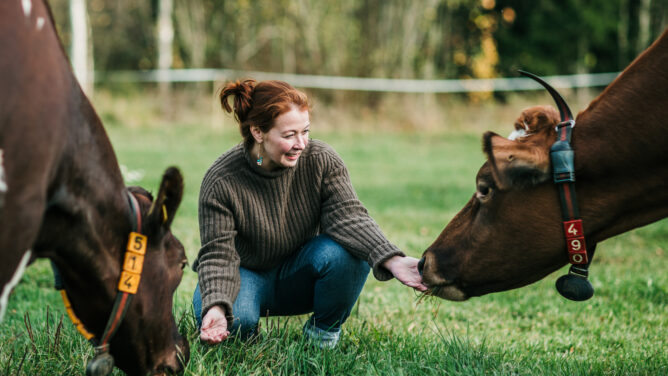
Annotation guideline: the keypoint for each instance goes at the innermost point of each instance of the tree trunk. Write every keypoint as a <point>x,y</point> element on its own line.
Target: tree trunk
<point>165,39</point>
<point>643,26</point>
<point>81,53</point>
<point>623,35</point>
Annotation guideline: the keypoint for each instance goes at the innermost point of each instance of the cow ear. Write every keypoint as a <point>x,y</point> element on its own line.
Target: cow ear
<point>169,197</point>
<point>516,163</point>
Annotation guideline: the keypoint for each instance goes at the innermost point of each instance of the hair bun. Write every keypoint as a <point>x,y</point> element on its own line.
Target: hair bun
<point>242,92</point>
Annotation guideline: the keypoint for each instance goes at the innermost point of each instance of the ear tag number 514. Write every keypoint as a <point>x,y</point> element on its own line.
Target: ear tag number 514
<point>137,243</point>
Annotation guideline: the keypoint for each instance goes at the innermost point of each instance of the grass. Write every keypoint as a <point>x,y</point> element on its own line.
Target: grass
<point>412,180</point>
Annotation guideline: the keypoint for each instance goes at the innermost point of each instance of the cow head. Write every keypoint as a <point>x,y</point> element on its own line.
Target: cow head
<point>466,260</point>
<point>147,340</point>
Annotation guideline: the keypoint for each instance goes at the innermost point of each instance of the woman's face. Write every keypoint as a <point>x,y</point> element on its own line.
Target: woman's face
<point>283,144</point>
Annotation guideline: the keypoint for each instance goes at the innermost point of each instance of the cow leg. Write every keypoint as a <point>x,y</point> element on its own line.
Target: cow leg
<point>20,221</point>
<point>9,286</point>
<point>19,226</point>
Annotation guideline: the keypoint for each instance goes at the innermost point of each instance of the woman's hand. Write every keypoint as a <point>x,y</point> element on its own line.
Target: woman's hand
<point>405,270</point>
<point>214,326</point>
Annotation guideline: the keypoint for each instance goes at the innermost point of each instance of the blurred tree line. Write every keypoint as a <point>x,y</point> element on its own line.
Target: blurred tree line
<point>375,38</point>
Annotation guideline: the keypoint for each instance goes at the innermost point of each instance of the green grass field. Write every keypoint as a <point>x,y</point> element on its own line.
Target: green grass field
<point>412,181</point>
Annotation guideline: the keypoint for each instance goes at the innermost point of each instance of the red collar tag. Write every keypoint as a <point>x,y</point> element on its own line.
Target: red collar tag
<point>575,242</point>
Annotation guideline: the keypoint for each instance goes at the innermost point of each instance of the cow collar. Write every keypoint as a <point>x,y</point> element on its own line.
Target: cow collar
<point>133,261</point>
<point>574,285</point>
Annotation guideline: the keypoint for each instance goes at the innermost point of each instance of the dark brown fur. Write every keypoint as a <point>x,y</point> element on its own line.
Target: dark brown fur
<point>66,199</point>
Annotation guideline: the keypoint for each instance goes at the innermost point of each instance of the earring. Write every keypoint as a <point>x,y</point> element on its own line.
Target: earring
<point>259,155</point>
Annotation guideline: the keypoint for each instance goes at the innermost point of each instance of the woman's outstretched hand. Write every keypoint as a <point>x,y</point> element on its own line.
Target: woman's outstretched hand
<point>405,269</point>
<point>214,326</point>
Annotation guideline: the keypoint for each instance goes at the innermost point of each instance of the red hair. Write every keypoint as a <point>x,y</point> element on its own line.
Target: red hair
<point>260,103</point>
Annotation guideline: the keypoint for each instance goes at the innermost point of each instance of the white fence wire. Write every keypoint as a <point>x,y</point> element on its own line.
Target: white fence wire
<point>359,83</point>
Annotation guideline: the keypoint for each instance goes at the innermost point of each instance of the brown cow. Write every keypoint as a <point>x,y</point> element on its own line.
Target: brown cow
<point>510,233</point>
<point>62,197</point>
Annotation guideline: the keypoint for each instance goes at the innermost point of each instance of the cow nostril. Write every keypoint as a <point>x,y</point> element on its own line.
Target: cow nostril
<point>420,265</point>
<point>165,370</point>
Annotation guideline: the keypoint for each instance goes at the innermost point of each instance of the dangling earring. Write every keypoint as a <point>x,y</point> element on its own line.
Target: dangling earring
<point>259,156</point>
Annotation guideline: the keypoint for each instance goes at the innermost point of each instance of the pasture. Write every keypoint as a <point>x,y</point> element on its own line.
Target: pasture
<point>413,172</point>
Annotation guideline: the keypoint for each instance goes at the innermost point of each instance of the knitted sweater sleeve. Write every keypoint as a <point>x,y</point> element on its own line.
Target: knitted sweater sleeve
<point>346,220</point>
<point>218,260</point>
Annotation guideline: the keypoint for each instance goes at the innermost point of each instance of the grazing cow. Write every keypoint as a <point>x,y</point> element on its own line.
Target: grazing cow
<point>510,233</point>
<point>62,197</point>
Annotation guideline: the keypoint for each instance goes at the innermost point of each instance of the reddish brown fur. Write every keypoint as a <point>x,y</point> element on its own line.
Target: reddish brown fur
<point>525,157</point>
<point>66,199</point>
<point>538,118</point>
<point>510,234</point>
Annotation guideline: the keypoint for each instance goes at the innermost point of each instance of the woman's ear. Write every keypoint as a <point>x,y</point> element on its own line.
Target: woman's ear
<point>257,134</point>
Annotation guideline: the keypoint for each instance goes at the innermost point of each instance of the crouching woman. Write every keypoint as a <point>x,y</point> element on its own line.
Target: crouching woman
<point>282,230</point>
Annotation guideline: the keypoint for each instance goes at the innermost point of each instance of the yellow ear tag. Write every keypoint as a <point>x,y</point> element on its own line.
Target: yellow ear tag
<point>164,214</point>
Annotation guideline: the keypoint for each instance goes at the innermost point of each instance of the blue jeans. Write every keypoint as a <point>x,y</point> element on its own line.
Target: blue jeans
<point>322,278</point>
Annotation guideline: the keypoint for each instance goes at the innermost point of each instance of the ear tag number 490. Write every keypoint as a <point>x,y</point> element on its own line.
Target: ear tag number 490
<point>575,244</point>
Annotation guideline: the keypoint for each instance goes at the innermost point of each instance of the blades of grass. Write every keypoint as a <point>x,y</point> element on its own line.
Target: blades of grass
<point>18,371</point>
<point>56,339</point>
<point>31,335</point>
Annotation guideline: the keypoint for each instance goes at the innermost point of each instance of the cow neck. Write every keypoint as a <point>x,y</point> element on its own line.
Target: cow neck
<point>575,285</point>
<point>128,283</point>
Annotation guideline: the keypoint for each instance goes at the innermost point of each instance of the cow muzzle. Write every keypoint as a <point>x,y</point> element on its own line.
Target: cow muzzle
<point>174,361</point>
<point>434,279</point>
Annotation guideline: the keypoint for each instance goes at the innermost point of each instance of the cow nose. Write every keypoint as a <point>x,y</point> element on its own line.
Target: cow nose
<point>164,371</point>
<point>176,360</point>
<point>420,265</point>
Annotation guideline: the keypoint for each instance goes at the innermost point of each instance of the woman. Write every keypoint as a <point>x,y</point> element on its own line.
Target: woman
<point>282,230</point>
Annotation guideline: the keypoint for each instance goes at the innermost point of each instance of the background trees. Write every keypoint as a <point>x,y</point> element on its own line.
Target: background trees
<point>375,38</point>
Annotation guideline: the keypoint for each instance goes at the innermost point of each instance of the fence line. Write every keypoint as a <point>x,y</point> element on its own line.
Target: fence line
<point>359,83</point>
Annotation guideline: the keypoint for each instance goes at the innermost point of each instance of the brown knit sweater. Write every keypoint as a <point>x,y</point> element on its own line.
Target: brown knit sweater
<point>256,219</point>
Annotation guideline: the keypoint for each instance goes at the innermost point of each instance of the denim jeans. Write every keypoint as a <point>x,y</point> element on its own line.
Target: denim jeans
<point>322,278</point>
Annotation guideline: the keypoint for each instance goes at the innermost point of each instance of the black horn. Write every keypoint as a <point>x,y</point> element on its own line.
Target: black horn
<point>564,111</point>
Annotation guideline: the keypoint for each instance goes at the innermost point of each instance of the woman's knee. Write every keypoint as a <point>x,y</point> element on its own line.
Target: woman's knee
<point>329,254</point>
<point>197,306</point>
<point>244,323</point>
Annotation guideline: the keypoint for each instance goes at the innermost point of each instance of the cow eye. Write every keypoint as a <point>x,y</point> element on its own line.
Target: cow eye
<point>483,191</point>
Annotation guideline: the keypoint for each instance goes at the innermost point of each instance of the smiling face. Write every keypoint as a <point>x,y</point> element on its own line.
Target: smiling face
<point>283,144</point>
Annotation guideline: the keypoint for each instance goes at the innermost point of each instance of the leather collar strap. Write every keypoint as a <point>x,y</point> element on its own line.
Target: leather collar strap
<point>575,285</point>
<point>130,276</point>
<point>128,283</point>
<point>563,170</point>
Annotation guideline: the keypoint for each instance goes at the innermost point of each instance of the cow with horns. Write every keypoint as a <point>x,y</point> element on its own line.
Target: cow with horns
<point>62,197</point>
<point>524,221</point>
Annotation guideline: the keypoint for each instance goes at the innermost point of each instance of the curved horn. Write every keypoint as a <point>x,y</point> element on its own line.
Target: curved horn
<point>564,111</point>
